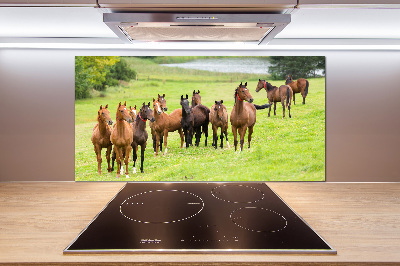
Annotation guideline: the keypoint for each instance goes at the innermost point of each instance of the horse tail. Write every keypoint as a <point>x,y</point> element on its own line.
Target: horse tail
<point>287,95</point>
<point>306,91</point>
<point>259,107</point>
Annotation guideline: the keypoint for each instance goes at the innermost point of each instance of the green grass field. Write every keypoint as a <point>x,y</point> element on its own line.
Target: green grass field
<point>289,149</point>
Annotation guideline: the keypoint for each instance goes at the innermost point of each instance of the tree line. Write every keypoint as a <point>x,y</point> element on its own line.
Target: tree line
<point>98,72</point>
<point>297,66</point>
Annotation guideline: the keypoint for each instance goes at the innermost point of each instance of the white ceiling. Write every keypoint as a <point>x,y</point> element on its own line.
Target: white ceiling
<point>86,22</point>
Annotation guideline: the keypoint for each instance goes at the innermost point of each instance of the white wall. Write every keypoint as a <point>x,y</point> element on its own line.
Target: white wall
<point>37,112</point>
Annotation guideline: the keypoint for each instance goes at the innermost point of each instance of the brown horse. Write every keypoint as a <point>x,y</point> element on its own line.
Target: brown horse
<point>140,134</point>
<point>132,112</point>
<point>274,94</point>
<point>196,98</point>
<point>219,118</point>
<point>101,136</point>
<point>165,123</point>
<point>121,138</point>
<point>162,107</point>
<point>243,115</point>
<point>299,86</point>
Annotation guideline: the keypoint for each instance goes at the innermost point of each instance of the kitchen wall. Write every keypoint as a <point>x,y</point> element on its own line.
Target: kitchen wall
<point>37,112</point>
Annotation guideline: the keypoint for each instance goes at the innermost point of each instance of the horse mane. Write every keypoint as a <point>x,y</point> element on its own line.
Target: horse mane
<point>270,87</point>
<point>236,93</point>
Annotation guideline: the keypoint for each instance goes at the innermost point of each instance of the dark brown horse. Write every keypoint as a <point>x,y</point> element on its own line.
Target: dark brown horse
<point>219,119</point>
<point>161,107</point>
<point>101,136</point>
<point>243,115</point>
<point>140,134</point>
<point>282,94</point>
<point>121,138</point>
<point>196,98</point>
<point>187,121</point>
<point>299,86</point>
<point>201,118</point>
<point>165,123</point>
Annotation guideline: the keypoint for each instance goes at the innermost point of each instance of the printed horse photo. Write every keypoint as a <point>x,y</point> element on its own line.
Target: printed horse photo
<point>243,115</point>
<point>165,123</point>
<point>299,86</point>
<point>219,119</point>
<point>282,94</point>
<point>121,138</point>
<point>196,98</point>
<point>187,121</point>
<point>161,107</point>
<point>101,136</point>
<point>140,134</point>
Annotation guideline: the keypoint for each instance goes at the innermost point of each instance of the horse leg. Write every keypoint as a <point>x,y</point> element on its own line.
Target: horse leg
<point>113,158</point>
<point>128,150</point>
<point>226,136</point>
<point>294,99</point>
<point>182,137</point>
<point>235,142</point>
<point>304,97</point>
<point>118,154</point>
<point>134,157</point>
<point>185,133</point>
<point>143,148</point>
<point>166,142</point>
<point>274,108</point>
<point>198,136</point>
<point>157,143</point>
<point>269,110</point>
<point>222,138</point>
<point>242,133</point>
<point>161,142</point>
<point>154,137</point>
<point>97,150</point>
<point>215,136</point>
<point>249,136</point>
<point>283,107</point>
<point>205,130</point>
<point>108,153</point>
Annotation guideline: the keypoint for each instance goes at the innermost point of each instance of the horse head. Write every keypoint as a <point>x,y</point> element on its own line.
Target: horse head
<point>261,85</point>
<point>163,102</point>
<point>104,114</point>
<point>123,113</point>
<point>243,93</point>
<point>219,109</point>
<point>196,98</point>
<point>288,80</point>
<point>185,104</point>
<point>146,113</point>
<point>157,106</point>
<point>133,112</point>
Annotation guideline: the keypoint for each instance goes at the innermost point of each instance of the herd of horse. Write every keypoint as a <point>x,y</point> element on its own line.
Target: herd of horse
<point>192,120</point>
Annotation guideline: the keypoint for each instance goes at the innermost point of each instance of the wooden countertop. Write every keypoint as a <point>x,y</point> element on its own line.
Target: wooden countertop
<point>360,220</point>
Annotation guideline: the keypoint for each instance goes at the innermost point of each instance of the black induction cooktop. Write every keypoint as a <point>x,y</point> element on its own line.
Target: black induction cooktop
<point>198,217</point>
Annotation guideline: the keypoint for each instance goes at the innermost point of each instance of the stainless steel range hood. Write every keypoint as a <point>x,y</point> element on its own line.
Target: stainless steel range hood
<point>207,27</point>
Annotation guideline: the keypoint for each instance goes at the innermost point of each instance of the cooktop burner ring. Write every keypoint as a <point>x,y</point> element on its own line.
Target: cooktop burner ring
<point>195,207</point>
<point>258,196</point>
<point>265,226</point>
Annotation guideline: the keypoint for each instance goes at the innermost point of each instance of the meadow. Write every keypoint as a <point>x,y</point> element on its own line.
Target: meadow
<point>289,149</point>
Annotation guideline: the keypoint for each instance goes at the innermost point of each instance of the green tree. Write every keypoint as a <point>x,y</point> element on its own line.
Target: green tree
<point>91,72</point>
<point>297,66</point>
<point>119,71</point>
